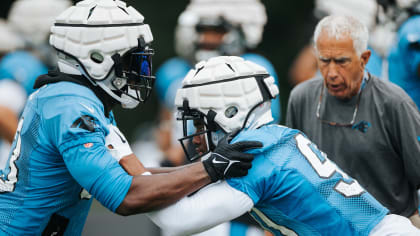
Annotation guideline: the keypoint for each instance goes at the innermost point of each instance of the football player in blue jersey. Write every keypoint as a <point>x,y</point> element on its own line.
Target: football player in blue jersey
<point>62,149</point>
<point>404,57</point>
<point>292,188</point>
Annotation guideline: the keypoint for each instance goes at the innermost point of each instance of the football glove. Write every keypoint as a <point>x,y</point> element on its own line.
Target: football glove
<point>230,160</point>
<point>116,143</point>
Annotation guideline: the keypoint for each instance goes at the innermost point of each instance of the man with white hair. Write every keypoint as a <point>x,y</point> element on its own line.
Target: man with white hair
<point>305,66</point>
<point>369,127</point>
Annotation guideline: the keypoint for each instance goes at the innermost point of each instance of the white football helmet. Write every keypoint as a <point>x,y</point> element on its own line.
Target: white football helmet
<point>406,3</point>
<point>226,94</point>
<point>394,8</point>
<point>242,20</point>
<point>109,44</point>
<point>9,41</point>
<point>363,10</point>
<point>32,19</point>
<point>391,14</point>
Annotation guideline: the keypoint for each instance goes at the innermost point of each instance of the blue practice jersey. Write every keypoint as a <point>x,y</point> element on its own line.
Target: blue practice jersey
<point>171,73</point>
<point>169,80</point>
<point>23,68</point>
<point>59,150</point>
<point>374,65</point>
<point>404,58</point>
<point>296,190</point>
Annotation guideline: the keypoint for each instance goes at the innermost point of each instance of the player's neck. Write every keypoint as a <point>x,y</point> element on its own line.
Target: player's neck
<point>260,116</point>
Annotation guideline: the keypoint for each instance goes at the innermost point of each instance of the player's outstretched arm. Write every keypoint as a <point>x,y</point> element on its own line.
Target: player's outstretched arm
<point>8,124</point>
<point>210,206</point>
<point>12,101</point>
<point>151,192</point>
<point>121,151</point>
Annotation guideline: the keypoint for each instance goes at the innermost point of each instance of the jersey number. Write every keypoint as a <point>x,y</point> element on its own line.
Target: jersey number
<point>326,168</point>
<point>9,184</point>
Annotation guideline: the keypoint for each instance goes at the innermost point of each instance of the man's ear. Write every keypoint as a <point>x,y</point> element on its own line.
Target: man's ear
<point>364,58</point>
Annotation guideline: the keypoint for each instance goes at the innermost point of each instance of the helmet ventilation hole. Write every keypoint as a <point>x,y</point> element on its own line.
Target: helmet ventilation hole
<point>97,57</point>
<point>230,67</point>
<point>231,111</point>
<point>91,11</point>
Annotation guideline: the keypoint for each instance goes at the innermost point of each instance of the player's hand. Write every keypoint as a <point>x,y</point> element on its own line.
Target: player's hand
<point>230,160</point>
<point>116,143</point>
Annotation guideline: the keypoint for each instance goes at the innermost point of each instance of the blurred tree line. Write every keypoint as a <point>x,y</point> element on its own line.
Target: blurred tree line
<point>287,30</point>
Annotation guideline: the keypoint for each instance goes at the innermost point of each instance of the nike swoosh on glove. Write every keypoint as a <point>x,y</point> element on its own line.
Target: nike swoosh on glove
<point>230,160</point>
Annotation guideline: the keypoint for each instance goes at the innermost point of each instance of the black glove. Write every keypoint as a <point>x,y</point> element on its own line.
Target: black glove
<point>229,160</point>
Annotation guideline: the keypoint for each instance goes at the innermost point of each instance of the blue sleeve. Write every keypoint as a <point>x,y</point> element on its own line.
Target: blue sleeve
<point>409,43</point>
<point>78,128</point>
<point>253,183</point>
<point>275,103</point>
<point>169,79</point>
<point>96,171</point>
<point>22,67</point>
<point>374,65</point>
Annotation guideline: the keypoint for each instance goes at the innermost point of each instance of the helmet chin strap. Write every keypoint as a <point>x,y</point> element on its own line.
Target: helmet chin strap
<point>216,136</point>
<point>127,102</point>
<point>69,66</point>
<point>73,67</point>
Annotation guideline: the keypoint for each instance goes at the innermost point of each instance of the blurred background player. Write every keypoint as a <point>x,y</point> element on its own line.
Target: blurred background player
<point>404,56</point>
<point>305,65</point>
<point>32,20</point>
<point>26,54</point>
<point>12,94</point>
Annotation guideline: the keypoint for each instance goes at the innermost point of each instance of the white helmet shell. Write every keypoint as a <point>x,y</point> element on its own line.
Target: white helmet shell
<point>94,36</point>
<point>250,15</point>
<point>9,40</point>
<point>406,3</point>
<point>363,10</point>
<point>223,83</point>
<point>87,28</point>
<point>32,19</point>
